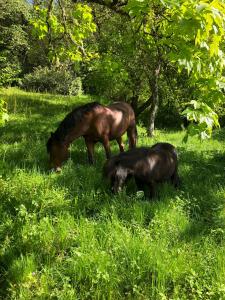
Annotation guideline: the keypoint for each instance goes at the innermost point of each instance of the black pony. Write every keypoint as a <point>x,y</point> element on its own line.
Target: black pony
<point>147,165</point>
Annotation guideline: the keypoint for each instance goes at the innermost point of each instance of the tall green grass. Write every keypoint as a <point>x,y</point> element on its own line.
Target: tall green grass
<point>65,236</point>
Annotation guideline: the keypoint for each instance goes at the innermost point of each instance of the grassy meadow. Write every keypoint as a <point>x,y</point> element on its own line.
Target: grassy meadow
<point>65,236</point>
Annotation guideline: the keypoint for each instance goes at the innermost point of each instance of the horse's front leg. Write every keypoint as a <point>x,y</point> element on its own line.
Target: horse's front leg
<point>120,143</point>
<point>90,150</point>
<point>105,141</point>
<point>140,184</point>
<point>175,179</point>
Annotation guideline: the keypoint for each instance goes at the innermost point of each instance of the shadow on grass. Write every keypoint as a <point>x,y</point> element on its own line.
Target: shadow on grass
<point>203,178</point>
<point>201,190</point>
<point>88,196</point>
<point>202,174</point>
<point>36,118</point>
<point>24,148</point>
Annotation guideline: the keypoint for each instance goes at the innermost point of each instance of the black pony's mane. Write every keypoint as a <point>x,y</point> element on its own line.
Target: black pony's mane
<point>71,120</point>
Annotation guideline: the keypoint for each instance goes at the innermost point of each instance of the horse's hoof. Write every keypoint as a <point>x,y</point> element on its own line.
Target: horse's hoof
<point>58,170</point>
<point>140,194</point>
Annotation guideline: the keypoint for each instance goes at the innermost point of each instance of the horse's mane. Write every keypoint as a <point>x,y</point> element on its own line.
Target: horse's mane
<point>72,118</point>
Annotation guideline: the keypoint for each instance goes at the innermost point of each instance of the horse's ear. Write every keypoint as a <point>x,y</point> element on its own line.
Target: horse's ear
<point>52,134</point>
<point>130,171</point>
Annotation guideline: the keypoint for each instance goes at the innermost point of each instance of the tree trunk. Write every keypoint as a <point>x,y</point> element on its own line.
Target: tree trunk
<point>136,80</point>
<point>155,99</point>
<point>134,103</point>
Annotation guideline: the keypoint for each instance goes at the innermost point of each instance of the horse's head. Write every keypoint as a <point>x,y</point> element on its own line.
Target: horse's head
<point>58,152</point>
<point>119,179</point>
<point>115,173</point>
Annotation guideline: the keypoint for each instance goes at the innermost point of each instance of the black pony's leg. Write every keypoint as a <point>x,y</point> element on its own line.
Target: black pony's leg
<point>147,187</point>
<point>151,191</point>
<point>132,135</point>
<point>120,143</point>
<point>106,145</point>
<point>140,184</point>
<point>90,150</point>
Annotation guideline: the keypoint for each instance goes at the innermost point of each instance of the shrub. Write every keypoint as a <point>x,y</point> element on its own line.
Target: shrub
<point>3,112</point>
<point>10,71</point>
<point>76,87</point>
<point>53,80</point>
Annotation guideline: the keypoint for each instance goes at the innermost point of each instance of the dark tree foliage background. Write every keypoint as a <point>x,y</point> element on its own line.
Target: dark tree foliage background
<point>158,56</point>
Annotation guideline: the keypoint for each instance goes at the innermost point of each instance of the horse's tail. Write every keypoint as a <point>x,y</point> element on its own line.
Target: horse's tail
<point>136,132</point>
<point>132,134</point>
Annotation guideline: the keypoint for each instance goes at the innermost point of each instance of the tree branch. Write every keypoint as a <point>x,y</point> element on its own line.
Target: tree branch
<point>144,106</point>
<point>47,21</point>
<point>67,32</point>
<point>115,5</point>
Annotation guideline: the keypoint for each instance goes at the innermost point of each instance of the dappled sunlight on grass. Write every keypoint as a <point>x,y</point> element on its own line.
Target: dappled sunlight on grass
<point>67,236</point>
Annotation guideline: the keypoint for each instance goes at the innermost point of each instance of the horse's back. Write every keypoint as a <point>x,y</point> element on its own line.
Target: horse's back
<point>113,120</point>
<point>124,107</point>
<point>166,147</point>
<point>162,164</point>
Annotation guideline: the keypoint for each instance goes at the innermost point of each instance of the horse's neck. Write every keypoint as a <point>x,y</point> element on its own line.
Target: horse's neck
<point>74,134</point>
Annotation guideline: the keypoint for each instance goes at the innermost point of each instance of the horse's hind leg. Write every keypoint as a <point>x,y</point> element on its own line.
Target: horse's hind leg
<point>120,143</point>
<point>132,135</point>
<point>151,191</point>
<point>90,150</point>
<point>175,179</point>
<point>147,187</point>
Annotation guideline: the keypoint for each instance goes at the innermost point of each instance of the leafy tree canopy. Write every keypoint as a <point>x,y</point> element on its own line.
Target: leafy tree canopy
<point>64,26</point>
<point>133,49</point>
<point>190,35</point>
<point>13,39</point>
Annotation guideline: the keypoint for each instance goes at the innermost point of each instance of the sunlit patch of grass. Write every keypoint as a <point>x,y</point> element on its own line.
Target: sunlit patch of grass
<point>66,236</point>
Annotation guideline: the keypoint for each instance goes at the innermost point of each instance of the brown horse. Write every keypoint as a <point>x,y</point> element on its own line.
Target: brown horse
<point>96,123</point>
<point>147,165</point>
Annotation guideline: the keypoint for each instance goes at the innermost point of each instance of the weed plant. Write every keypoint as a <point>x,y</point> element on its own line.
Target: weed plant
<point>65,236</point>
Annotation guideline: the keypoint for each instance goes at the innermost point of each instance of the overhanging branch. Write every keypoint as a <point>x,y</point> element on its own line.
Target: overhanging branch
<point>144,106</point>
<point>50,6</point>
<point>115,5</point>
<point>67,32</point>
